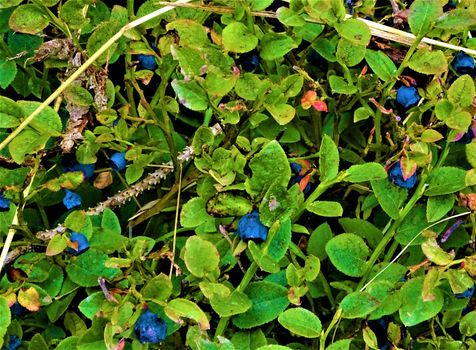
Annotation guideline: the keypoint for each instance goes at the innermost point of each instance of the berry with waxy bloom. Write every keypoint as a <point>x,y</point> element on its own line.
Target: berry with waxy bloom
<point>71,199</point>
<point>468,293</point>
<point>13,343</point>
<point>80,241</point>
<point>150,328</point>
<point>407,96</point>
<point>4,203</point>
<point>463,63</point>
<point>118,161</point>
<point>251,228</point>
<point>147,61</point>
<point>248,61</point>
<point>395,175</point>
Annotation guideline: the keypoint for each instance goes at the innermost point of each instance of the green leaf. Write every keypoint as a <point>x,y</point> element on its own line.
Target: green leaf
<point>264,261</point>
<point>88,267</point>
<point>462,91</point>
<point>92,304</point>
<point>56,245</point>
<point>280,203</point>
<point>8,71</point>
<point>281,234</point>
<point>459,120</point>
<point>365,172</point>
<point>78,95</point>
<point>194,213</point>
<point>340,345</point>
<point>10,113</point>
<point>228,204</point>
<point>201,257</point>
<point>362,113</point>
<point>37,342</point>
<point>445,180</point>
<point>69,180</point>
<point>190,94</point>
<point>102,33</point>
<point>290,18</point>
<point>358,305</point>
<point>318,240</point>
<point>428,62</point>
<point>225,302</point>
<point>381,64</point>
<point>269,166</point>
<point>325,208</point>
<point>178,308</point>
<point>5,318</point>
<point>355,31</point>
<point>276,45</point>
<point>467,324</point>
<point>268,301</point>
<point>274,347</point>
<point>456,20</point>
<point>435,253</point>
<point>248,340</point>
<point>340,86</point>
<point>438,206</point>
<point>191,33</point>
<point>348,253</point>
<point>28,19</point>
<point>350,53</point>
<point>459,280</point>
<point>80,222</point>
<point>328,159</point>
<point>238,38</point>
<point>389,196</point>
<point>6,4</point>
<point>48,122</point>
<point>470,149</point>
<point>301,322</point>
<point>26,142</point>
<point>423,14</point>
<point>414,223</point>
<point>158,288</point>
<point>362,228</point>
<point>282,113</point>
<point>414,310</point>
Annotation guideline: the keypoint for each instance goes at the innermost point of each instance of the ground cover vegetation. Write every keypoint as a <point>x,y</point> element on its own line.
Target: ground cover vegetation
<point>249,174</point>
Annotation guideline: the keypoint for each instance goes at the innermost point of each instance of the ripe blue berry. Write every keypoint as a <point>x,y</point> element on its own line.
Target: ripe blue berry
<point>150,328</point>
<point>13,343</point>
<point>4,203</point>
<point>407,96</point>
<point>251,228</point>
<point>463,63</point>
<point>71,199</point>
<point>350,6</point>
<point>17,310</point>
<point>396,177</point>
<point>83,243</point>
<point>468,293</point>
<point>147,61</point>
<point>296,168</point>
<point>118,161</point>
<point>249,61</point>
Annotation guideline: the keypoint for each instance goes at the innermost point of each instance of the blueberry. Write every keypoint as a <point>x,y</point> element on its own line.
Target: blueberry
<point>17,310</point>
<point>83,243</point>
<point>450,5</point>
<point>468,293</point>
<point>118,161</point>
<point>251,228</point>
<point>150,328</point>
<point>14,343</point>
<point>147,61</point>
<point>249,61</point>
<point>396,177</point>
<point>296,168</point>
<point>4,203</point>
<point>69,163</point>
<point>407,96</point>
<point>463,63</point>
<point>71,199</point>
<point>350,6</point>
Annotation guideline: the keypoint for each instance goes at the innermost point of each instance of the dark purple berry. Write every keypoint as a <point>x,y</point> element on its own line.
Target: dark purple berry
<point>450,5</point>
<point>468,293</point>
<point>395,175</point>
<point>251,228</point>
<point>83,243</point>
<point>463,63</point>
<point>150,328</point>
<point>147,61</point>
<point>407,96</point>
<point>4,203</point>
<point>118,161</point>
<point>71,199</point>
<point>350,6</point>
<point>17,309</point>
